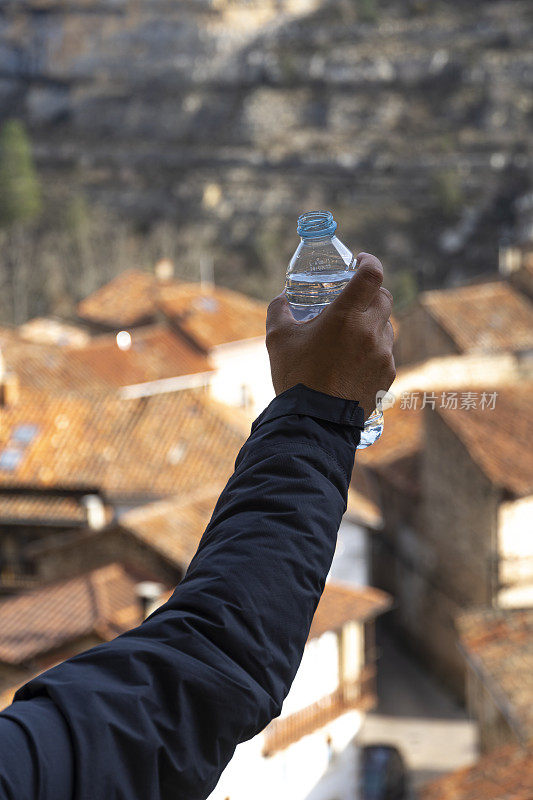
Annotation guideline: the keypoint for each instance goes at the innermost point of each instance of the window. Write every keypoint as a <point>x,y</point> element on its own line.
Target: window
<point>10,459</point>
<point>24,434</point>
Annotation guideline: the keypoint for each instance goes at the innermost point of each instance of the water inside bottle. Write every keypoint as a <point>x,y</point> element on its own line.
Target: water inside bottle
<point>309,293</point>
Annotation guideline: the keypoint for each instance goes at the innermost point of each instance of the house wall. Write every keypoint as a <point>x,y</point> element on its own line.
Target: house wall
<point>453,372</point>
<point>493,729</point>
<point>439,555</point>
<point>242,375</point>
<point>420,338</point>
<point>515,551</point>
<point>307,768</point>
<point>317,676</point>
<point>459,517</point>
<point>92,550</point>
<point>303,771</point>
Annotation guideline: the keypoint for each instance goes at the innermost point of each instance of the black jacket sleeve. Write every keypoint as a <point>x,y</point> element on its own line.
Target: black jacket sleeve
<point>156,713</point>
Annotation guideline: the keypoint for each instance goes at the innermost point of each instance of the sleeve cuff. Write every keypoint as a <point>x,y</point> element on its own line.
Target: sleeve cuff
<point>301,399</point>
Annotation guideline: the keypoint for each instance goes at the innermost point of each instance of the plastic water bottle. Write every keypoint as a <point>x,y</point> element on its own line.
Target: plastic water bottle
<point>318,272</point>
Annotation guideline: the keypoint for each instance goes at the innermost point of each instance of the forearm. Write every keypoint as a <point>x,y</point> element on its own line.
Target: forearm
<point>159,710</point>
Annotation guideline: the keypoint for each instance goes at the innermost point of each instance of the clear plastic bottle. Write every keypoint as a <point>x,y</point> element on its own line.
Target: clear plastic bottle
<point>318,272</point>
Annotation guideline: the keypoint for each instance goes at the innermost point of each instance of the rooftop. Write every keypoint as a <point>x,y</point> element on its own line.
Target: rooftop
<point>155,353</point>
<point>208,315</point>
<point>499,439</point>
<point>212,315</point>
<point>49,330</point>
<point>34,623</point>
<point>41,508</point>
<point>394,455</point>
<point>342,603</point>
<point>504,774</point>
<point>499,646</point>
<point>129,299</point>
<point>485,317</point>
<point>47,368</point>
<point>173,527</point>
<point>166,444</point>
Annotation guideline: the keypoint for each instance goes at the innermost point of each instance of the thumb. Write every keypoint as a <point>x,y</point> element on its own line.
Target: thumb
<point>363,287</point>
<point>279,314</point>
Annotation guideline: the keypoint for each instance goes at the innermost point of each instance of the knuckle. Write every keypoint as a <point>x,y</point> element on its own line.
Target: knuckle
<point>387,294</point>
<point>272,336</point>
<point>373,273</point>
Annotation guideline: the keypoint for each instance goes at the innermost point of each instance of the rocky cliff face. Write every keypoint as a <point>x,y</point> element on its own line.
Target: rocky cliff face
<point>409,120</point>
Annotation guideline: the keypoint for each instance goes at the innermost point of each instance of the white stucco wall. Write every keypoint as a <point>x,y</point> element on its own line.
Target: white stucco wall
<point>317,676</point>
<point>242,368</point>
<point>309,769</point>
<point>515,546</point>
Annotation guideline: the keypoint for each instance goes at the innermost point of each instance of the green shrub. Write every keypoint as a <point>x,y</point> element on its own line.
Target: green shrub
<point>20,191</point>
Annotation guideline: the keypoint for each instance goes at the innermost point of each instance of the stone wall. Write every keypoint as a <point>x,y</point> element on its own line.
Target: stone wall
<point>493,728</point>
<point>459,516</point>
<point>437,551</point>
<point>88,551</point>
<point>412,123</point>
<point>421,338</point>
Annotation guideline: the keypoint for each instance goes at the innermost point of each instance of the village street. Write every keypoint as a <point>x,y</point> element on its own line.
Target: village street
<point>433,734</point>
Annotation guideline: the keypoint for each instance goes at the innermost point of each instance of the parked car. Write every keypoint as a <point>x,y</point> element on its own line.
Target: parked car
<point>383,774</point>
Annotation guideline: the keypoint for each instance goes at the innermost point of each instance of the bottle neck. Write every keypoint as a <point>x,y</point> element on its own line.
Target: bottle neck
<point>316,240</point>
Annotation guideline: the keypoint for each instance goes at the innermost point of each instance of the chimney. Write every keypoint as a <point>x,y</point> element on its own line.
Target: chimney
<point>9,386</point>
<point>207,273</point>
<point>509,259</point>
<point>164,270</point>
<point>148,593</point>
<point>95,509</point>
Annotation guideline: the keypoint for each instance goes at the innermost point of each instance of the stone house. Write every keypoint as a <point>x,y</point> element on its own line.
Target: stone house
<point>310,747</point>
<point>162,536</point>
<point>455,487</point>
<point>516,265</point>
<point>497,645</point>
<point>502,774</point>
<point>74,462</point>
<point>41,627</point>
<point>481,319</point>
<point>223,327</point>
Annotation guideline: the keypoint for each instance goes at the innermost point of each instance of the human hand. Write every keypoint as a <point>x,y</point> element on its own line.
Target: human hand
<point>345,351</point>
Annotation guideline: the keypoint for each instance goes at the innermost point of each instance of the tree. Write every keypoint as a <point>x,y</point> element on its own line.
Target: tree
<point>20,191</point>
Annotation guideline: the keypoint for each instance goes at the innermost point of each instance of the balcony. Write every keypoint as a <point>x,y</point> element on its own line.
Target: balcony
<point>359,695</point>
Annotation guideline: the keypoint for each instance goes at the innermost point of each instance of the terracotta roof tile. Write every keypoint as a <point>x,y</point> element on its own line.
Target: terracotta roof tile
<point>43,619</point>
<point>125,301</point>
<point>212,316</point>
<point>166,444</point>
<point>499,643</point>
<point>41,508</point>
<point>342,603</point>
<point>208,316</point>
<point>499,439</point>
<point>395,455</point>
<point>483,318</point>
<point>47,367</point>
<point>503,774</point>
<point>173,527</point>
<point>48,330</point>
<point>155,353</point>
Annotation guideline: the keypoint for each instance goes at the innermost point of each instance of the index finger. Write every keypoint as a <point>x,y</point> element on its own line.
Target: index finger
<point>362,289</point>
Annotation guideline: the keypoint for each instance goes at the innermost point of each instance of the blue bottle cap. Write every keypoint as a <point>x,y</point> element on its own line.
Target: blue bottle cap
<point>314,224</point>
